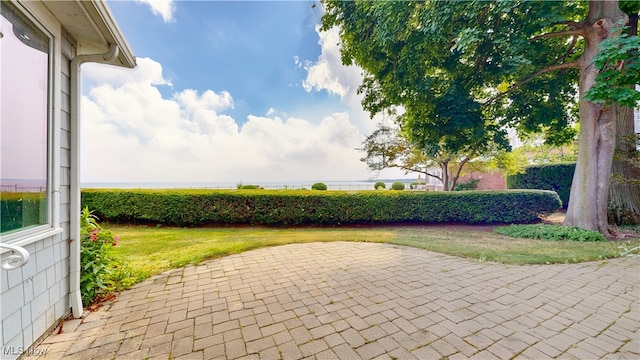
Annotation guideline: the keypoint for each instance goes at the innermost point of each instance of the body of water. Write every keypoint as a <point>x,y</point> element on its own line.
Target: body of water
<point>270,185</point>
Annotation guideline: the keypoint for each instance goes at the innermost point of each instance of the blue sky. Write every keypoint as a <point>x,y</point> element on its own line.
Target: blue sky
<point>245,48</point>
<point>224,91</point>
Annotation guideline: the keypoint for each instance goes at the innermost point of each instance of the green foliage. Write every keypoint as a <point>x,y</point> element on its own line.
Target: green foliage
<point>319,186</point>
<point>509,162</point>
<point>379,185</point>
<point>248,187</point>
<point>618,64</point>
<point>556,177</point>
<point>533,151</point>
<point>550,232</point>
<point>470,184</point>
<point>397,186</point>
<point>453,67</point>
<point>406,51</point>
<point>204,207</point>
<point>101,272</point>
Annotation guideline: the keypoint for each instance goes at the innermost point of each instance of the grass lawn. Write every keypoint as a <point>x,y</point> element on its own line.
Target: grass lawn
<point>152,250</point>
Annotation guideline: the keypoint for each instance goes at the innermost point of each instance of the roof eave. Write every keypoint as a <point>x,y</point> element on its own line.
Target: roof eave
<point>93,27</point>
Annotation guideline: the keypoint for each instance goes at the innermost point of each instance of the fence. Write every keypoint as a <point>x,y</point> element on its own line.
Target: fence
<point>20,189</point>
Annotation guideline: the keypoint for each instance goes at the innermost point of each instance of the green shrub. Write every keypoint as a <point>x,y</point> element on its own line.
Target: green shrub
<point>470,184</point>
<point>550,232</point>
<point>248,187</point>
<point>414,185</point>
<point>319,186</point>
<point>379,185</point>
<point>101,272</point>
<point>293,207</point>
<point>556,177</point>
<point>397,185</point>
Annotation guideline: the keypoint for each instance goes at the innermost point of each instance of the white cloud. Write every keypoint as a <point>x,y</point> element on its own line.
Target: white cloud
<point>130,133</point>
<point>164,8</point>
<point>209,100</point>
<point>328,73</point>
<point>147,71</point>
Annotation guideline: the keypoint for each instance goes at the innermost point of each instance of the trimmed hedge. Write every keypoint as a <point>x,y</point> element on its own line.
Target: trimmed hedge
<point>556,177</point>
<point>290,207</point>
<point>397,186</point>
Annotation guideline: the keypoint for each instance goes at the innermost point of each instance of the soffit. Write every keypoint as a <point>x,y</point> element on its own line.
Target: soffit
<point>93,27</point>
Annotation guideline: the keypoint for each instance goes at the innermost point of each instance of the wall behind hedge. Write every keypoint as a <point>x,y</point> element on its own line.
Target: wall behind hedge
<point>556,177</point>
<point>289,207</point>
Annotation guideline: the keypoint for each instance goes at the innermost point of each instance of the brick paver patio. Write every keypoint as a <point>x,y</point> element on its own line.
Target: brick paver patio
<point>365,301</point>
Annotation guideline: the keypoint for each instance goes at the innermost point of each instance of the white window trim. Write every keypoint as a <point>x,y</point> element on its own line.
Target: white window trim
<point>47,23</point>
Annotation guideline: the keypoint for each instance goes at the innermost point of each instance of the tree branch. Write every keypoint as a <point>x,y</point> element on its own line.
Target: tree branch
<point>572,32</point>
<point>464,161</point>
<point>574,40</point>
<point>570,24</point>
<point>551,68</point>
<point>433,176</point>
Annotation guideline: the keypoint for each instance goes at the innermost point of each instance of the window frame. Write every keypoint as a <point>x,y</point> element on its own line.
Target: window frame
<point>31,234</point>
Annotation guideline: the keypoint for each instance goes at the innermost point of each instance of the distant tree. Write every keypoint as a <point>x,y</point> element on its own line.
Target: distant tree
<point>533,152</point>
<point>387,147</point>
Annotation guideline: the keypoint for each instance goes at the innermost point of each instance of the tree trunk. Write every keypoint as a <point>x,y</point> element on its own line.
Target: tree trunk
<point>624,193</point>
<point>445,175</point>
<point>590,188</point>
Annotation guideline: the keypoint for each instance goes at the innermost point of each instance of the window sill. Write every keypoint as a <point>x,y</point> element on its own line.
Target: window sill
<point>30,239</point>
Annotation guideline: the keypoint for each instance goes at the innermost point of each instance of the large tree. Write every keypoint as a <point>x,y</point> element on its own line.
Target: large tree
<point>624,194</point>
<point>425,88</point>
<point>518,60</point>
<point>590,187</point>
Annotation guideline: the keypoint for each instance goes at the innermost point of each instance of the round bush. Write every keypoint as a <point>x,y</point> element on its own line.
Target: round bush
<point>249,187</point>
<point>397,185</point>
<point>379,185</point>
<point>319,186</point>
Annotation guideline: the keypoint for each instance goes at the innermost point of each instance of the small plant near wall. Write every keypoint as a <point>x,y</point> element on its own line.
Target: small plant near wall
<point>99,269</point>
<point>470,184</point>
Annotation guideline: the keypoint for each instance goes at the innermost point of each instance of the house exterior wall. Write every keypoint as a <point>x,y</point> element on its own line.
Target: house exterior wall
<point>488,181</point>
<point>36,296</point>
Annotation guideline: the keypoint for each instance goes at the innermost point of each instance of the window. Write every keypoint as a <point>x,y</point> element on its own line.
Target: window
<point>24,130</point>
